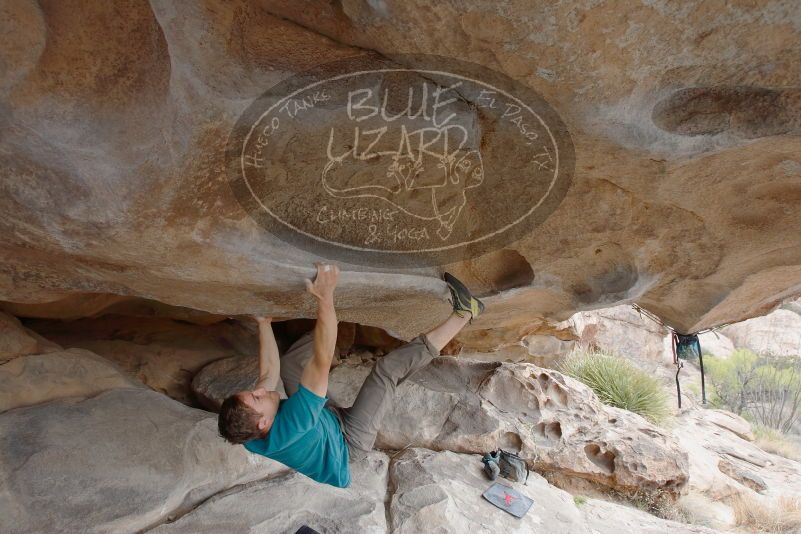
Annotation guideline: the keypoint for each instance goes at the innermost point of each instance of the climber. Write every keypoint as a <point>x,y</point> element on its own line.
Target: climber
<point>298,431</point>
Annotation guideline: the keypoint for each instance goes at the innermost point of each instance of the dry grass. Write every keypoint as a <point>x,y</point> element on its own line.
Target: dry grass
<point>754,516</point>
<point>661,504</point>
<point>775,443</point>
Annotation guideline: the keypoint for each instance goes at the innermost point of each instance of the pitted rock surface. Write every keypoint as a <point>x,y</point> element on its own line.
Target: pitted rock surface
<point>556,423</point>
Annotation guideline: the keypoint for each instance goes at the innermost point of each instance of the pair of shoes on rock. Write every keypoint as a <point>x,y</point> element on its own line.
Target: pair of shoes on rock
<point>462,300</point>
<point>491,467</point>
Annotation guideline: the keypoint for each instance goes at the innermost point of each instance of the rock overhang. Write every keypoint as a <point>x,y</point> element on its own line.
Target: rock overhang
<point>684,198</point>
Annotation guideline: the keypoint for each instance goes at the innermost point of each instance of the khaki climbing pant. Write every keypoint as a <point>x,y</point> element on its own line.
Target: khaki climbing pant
<point>360,422</point>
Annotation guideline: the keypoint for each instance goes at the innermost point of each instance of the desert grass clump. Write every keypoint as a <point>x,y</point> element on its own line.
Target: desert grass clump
<point>782,518</point>
<point>618,383</point>
<point>774,442</point>
<point>661,504</point>
<point>655,501</point>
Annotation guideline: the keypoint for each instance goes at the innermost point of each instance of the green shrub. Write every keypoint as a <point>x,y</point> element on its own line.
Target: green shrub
<point>764,389</point>
<point>730,378</point>
<point>618,383</point>
<point>579,500</point>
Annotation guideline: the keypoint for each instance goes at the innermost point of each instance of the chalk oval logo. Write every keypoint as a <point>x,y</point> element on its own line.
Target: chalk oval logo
<point>401,161</point>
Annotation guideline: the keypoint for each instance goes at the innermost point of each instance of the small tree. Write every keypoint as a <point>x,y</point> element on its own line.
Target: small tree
<point>731,379</point>
<point>766,389</point>
<point>777,393</point>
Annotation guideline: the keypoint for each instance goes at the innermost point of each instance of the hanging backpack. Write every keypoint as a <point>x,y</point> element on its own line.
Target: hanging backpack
<point>507,464</point>
<point>687,347</point>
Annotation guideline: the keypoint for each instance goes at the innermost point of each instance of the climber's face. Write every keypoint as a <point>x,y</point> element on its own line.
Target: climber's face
<point>265,402</point>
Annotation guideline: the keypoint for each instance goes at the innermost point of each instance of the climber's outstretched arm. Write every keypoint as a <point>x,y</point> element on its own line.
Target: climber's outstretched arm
<point>315,374</point>
<point>269,361</point>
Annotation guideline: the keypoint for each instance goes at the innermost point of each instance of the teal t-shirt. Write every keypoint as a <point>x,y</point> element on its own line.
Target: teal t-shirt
<point>306,437</point>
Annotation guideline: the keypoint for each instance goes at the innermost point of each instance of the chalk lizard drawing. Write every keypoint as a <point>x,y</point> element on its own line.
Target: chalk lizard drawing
<point>423,185</point>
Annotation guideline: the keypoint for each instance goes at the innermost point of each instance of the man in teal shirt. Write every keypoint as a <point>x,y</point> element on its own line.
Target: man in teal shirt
<point>306,432</point>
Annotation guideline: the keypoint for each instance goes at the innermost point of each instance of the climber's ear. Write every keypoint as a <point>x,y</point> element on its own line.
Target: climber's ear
<point>265,423</point>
